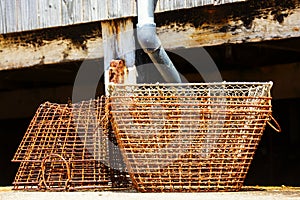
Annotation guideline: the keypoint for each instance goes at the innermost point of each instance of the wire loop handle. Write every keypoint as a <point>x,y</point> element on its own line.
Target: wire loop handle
<point>276,127</point>
<point>43,166</point>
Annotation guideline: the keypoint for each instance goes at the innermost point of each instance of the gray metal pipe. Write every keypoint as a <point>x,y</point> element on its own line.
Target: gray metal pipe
<point>151,44</point>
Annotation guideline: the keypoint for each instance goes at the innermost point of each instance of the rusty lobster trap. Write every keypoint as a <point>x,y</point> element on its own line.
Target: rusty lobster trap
<point>69,147</point>
<point>189,137</point>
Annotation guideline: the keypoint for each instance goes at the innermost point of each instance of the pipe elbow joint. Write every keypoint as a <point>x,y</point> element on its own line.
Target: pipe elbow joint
<point>147,37</point>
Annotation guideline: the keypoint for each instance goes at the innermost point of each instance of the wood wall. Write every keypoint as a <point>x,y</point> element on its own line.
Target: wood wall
<point>23,15</point>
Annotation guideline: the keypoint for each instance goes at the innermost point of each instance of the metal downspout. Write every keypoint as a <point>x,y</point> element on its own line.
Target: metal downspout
<point>149,41</point>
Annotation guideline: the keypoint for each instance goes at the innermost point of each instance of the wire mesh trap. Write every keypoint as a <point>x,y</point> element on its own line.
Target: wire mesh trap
<point>66,147</point>
<point>189,137</point>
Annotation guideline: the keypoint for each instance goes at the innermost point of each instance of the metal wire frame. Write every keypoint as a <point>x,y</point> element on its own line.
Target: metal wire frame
<point>66,147</point>
<point>189,137</point>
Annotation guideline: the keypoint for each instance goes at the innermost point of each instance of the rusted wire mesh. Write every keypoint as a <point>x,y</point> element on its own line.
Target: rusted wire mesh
<point>189,137</point>
<point>66,147</point>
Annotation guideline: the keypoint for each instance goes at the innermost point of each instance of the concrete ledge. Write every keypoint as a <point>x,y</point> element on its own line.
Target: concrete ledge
<point>260,193</point>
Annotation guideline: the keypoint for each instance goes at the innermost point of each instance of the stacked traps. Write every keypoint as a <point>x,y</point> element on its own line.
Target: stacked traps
<point>67,147</point>
<point>189,137</point>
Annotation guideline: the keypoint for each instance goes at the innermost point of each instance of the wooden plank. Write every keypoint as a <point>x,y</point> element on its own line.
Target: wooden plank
<point>186,36</point>
<point>119,43</point>
<point>166,5</point>
<point>77,12</point>
<point>91,10</point>
<point>21,12</point>
<point>32,11</point>
<point>26,15</point>
<point>71,12</point>
<point>127,7</point>
<point>95,12</point>
<point>17,52</point>
<point>67,9</point>
<point>53,16</point>
<point>103,11</point>
<point>32,14</point>
<point>10,16</point>
<point>219,2</point>
<point>41,10</point>
<point>113,8</point>
<point>86,11</point>
<point>225,29</point>
<point>42,13</point>
<point>2,17</point>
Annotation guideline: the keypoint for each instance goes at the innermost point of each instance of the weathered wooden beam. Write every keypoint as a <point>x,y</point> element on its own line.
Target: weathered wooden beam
<point>56,51</point>
<point>119,43</point>
<point>188,29</point>
<point>219,26</point>
<point>49,46</point>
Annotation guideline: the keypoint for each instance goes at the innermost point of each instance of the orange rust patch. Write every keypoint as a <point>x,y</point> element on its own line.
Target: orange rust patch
<point>117,71</point>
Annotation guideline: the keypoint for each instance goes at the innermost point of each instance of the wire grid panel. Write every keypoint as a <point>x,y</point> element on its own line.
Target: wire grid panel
<point>65,147</point>
<point>189,137</point>
<point>119,173</point>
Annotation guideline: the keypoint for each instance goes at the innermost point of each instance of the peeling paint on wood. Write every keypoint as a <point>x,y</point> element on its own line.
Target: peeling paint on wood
<point>19,15</point>
<point>219,27</point>
<point>50,46</point>
<point>55,51</point>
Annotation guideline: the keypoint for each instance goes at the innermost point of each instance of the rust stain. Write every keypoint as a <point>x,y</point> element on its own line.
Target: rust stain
<point>114,28</point>
<point>118,71</point>
<point>77,34</point>
<point>296,29</point>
